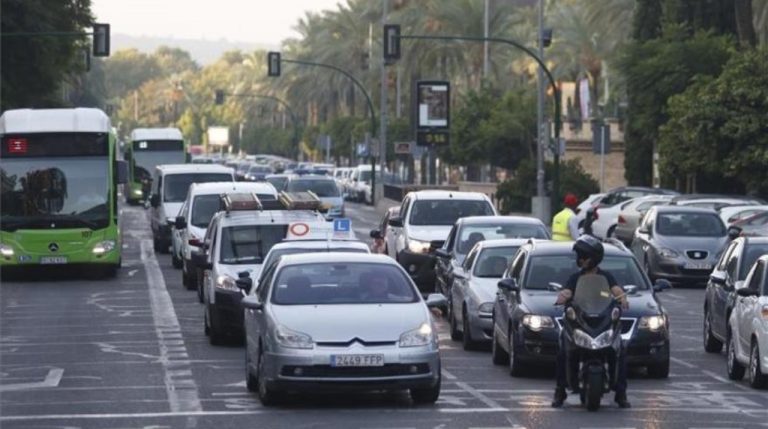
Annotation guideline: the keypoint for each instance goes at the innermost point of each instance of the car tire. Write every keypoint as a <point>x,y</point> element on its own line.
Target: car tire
<point>499,356</point>
<point>516,367</point>
<point>267,396</point>
<point>757,379</point>
<point>466,336</point>
<point>659,370</point>
<point>176,261</point>
<point>215,334</point>
<point>157,245</point>
<point>735,369</point>
<point>198,284</point>
<point>427,395</point>
<point>251,383</point>
<point>711,344</point>
<point>455,333</point>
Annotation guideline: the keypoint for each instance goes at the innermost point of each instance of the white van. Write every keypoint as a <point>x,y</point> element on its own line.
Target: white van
<point>170,185</point>
<point>202,202</point>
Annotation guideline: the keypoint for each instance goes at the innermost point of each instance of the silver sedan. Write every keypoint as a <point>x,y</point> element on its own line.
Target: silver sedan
<point>474,290</point>
<point>342,321</point>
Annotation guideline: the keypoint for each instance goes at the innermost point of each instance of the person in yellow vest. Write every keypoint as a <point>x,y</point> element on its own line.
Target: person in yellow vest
<point>565,225</point>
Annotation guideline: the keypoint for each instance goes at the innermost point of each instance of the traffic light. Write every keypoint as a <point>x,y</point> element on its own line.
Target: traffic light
<point>219,97</point>
<point>546,37</point>
<point>391,42</point>
<point>364,61</point>
<point>273,64</point>
<point>100,40</point>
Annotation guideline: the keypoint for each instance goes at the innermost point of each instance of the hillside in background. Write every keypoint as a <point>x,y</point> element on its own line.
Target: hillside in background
<point>202,51</point>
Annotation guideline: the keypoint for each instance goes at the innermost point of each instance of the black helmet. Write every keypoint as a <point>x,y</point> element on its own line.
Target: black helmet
<point>590,247</point>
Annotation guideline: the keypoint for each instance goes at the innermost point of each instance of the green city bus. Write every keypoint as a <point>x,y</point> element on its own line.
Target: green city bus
<point>148,148</point>
<point>59,175</point>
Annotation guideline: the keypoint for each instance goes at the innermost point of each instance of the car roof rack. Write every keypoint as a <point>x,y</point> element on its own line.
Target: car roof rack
<point>240,201</point>
<point>249,201</point>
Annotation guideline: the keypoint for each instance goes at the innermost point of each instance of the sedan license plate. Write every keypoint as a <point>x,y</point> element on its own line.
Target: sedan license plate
<point>357,360</point>
<point>695,266</point>
<point>53,260</point>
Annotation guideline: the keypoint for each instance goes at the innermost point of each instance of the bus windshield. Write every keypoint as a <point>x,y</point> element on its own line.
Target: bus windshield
<point>149,154</point>
<point>55,181</point>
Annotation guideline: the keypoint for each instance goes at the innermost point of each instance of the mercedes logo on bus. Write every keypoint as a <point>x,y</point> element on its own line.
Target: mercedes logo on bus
<point>53,247</point>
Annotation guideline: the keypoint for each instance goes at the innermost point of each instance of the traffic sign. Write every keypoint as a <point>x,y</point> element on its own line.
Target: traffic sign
<point>342,225</point>
<point>403,148</point>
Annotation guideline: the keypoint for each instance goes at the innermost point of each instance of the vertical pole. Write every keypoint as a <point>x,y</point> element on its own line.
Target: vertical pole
<point>485,44</point>
<point>540,109</point>
<point>602,158</point>
<point>398,109</point>
<point>383,107</point>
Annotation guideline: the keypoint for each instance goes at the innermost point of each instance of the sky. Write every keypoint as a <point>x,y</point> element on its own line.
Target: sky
<point>255,21</point>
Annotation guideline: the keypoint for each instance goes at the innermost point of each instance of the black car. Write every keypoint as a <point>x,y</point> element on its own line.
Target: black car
<point>728,275</point>
<point>526,324</point>
<point>466,232</point>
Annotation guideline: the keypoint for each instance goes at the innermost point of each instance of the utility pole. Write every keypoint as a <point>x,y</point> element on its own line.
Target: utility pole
<point>382,108</point>
<point>541,205</point>
<point>485,44</point>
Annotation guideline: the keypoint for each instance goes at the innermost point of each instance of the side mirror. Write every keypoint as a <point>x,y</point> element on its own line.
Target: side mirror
<point>244,282</point>
<point>746,292</point>
<point>122,172</point>
<point>154,200</point>
<point>170,221</point>
<point>717,278</point>
<point>630,289</point>
<point>252,302</point>
<point>442,253</point>
<point>734,232</point>
<point>661,284</point>
<point>375,233</point>
<point>436,244</point>
<point>180,222</point>
<point>396,221</point>
<point>436,300</point>
<point>200,260</point>
<point>509,285</point>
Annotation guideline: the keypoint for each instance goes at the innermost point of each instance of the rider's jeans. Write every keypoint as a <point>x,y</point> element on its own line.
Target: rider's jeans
<point>562,374</point>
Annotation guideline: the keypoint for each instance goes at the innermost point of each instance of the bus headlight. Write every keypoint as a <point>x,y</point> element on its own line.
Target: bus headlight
<point>104,247</point>
<point>138,192</point>
<point>6,251</point>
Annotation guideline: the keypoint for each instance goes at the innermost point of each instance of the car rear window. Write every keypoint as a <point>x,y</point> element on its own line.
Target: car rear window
<point>493,261</point>
<point>545,269</point>
<point>342,283</point>
<point>472,234</point>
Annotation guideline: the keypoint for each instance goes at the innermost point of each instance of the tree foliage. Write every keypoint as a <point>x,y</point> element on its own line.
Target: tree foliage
<point>34,67</point>
<point>718,127</point>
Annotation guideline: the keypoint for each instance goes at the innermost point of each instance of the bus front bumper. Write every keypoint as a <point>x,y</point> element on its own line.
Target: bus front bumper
<point>58,247</point>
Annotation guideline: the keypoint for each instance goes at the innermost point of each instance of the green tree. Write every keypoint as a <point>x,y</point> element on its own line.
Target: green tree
<point>127,69</point>
<point>35,67</point>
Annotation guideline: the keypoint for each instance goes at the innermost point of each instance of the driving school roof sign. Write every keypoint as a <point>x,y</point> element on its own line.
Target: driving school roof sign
<point>340,229</point>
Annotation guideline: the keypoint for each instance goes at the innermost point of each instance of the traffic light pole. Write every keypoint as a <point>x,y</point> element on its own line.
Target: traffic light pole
<point>552,82</point>
<point>370,110</point>
<point>294,119</point>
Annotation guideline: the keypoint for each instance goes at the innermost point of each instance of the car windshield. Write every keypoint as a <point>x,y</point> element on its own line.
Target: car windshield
<point>278,253</point>
<point>177,185</point>
<point>545,269</point>
<point>493,261</point>
<point>446,212</point>
<point>751,253</point>
<point>342,283</point>
<point>321,188</point>
<point>690,225</point>
<point>277,182</point>
<point>203,209</point>
<point>249,244</point>
<point>472,234</point>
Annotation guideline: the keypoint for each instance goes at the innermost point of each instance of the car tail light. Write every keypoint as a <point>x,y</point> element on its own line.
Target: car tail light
<point>764,312</point>
<point>194,242</point>
<point>621,219</point>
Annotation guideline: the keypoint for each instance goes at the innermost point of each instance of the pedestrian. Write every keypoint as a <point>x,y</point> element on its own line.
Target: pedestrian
<point>565,225</point>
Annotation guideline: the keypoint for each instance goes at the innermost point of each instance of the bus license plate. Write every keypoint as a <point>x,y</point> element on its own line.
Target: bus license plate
<point>357,360</point>
<point>53,260</point>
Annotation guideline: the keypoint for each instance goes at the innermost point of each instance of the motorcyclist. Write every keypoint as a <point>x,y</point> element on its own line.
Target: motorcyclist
<point>589,253</point>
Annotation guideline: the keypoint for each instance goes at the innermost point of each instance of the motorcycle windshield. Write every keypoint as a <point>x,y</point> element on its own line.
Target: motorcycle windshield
<point>593,294</point>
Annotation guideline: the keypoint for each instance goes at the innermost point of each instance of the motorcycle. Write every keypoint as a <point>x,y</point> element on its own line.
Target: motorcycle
<point>592,339</point>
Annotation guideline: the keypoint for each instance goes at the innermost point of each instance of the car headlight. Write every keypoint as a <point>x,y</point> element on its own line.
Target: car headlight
<point>138,192</point>
<point>104,247</point>
<point>6,250</point>
<point>417,246</point>
<point>485,308</point>
<point>665,252</point>
<point>291,339</point>
<point>421,336</point>
<point>226,282</point>
<point>536,322</point>
<point>583,340</point>
<point>653,323</point>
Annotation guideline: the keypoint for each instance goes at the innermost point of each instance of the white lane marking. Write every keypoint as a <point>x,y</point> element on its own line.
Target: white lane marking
<point>179,383</point>
<point>726,381</point>
<point>447,375</point>
<point>52,379</point>
<point>682,362</point>
<point>478,395</point>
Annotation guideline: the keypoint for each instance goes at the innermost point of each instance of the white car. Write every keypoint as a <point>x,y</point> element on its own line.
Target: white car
<point>236,242</point>
<point>423,225</point>
<point>202,202</point>
<point>747,343</point>
<point>731,214</point>
<point>606,219</point>
<point>581,210</point>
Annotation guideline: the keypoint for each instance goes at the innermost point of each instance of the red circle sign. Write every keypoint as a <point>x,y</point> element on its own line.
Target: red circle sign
<point>299,229</point>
